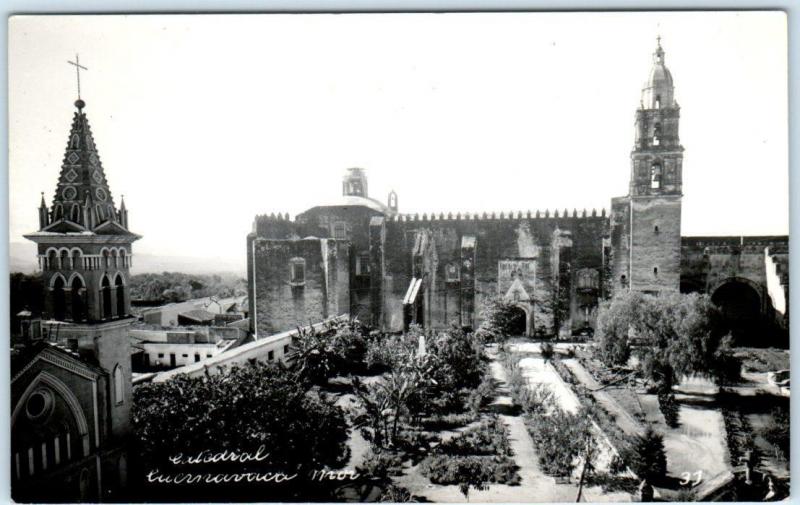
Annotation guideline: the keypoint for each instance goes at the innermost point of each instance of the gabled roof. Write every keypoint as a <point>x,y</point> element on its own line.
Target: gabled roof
<point>25,357</point>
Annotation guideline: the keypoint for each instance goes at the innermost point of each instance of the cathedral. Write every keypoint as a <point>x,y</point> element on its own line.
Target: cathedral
<point>71,373</point>
<point>361,257</point>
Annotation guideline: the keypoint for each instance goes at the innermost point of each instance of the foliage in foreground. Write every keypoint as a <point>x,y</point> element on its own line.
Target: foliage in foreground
<point>418,385</point>
<point>476,457</point>
<point>240,409</point>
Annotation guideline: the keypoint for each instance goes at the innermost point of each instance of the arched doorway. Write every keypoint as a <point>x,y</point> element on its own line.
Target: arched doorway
<point>518,322</point>
<point>740,304</point>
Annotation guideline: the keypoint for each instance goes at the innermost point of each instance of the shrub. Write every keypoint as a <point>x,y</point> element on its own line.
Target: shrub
<point>647,456</point>
<point>481,395</point>
<point>498,316</point>
<point>448,469</point>
<point>395,494</point>
<point>490,437</point>
<point>547,351</point>
<point>776,432</point>
<point>669,407</point>
<point>381,464</point>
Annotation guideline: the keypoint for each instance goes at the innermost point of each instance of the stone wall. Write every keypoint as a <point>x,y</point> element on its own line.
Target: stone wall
<point>278,301</point>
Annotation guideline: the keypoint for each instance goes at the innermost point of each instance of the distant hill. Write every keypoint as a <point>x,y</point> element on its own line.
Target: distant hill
<point>22,258</point>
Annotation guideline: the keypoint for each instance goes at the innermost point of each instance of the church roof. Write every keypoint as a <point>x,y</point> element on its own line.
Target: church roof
<point>83,200</point>
<point>357,201</point>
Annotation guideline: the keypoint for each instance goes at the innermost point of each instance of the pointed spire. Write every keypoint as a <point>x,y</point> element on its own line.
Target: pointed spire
<point>82,182</point>
<point>42,205</point>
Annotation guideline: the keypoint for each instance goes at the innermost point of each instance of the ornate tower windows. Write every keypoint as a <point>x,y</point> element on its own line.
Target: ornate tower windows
<point>59,298</point>
<point>78,305</point>
<point>655,175</point>
<point>105,295</point>
<point>120,288</point>
<point>657,134</point>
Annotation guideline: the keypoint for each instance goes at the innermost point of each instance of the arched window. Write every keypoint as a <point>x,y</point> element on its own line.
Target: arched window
<point>658,101</point>
<point>105,291</point>
<point>655,229</point>
<point>655,176</point>
<point>78,305</point>
<point>623,280</point>
<point>64,261</point>
<point>106,259</point>
<point>657,134</point>
<point>59,299</point>
<point>124,256</point>
<point>119,385</point>
<point>114,258</point>
<point>52,260</point>
<point>120,287</point>
<point>75,214</point>
<point>655,271</point>
<point>77,260</point>
<point>101,214</point>
<point>58,212</point>
<point>74,142</point>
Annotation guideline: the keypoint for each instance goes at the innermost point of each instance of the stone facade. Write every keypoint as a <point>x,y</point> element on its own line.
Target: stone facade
<point>395,269</point>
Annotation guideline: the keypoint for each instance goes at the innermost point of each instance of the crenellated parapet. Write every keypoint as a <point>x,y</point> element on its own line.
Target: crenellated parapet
<point>500,216</point>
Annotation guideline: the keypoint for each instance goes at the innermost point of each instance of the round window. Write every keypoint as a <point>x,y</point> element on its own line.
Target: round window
<point>39,404</point>
<point>70,193</point>
<point>101,194</point>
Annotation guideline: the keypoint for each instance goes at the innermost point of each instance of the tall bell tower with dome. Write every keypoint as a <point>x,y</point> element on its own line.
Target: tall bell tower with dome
<point>646,224</point>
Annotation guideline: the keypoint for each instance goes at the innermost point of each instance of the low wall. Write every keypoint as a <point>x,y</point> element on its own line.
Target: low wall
<point>270,348</point>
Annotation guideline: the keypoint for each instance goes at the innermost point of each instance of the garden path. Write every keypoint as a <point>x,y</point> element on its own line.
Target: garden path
<point>534,486</point>
<point>624,420</point>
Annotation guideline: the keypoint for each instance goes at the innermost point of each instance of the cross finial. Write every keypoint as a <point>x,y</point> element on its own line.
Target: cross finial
<point>78,68</point>
<point>658,40</point>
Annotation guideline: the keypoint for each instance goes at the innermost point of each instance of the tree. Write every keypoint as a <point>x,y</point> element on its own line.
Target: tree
<point>498,316</point>
<point>239,409</point>
<point>647,456</point>
<point>681,334</point>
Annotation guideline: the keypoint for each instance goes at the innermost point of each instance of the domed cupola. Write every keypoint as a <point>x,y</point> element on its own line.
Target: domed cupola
<point>659,91</point>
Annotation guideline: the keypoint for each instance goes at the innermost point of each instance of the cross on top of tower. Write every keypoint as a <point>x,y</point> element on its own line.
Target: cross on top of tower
<point>78,68</point>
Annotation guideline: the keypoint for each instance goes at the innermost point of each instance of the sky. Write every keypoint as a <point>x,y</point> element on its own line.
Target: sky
<point>202,122</point>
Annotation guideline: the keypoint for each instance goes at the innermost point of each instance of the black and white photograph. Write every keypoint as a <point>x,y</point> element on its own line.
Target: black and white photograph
<point>491,257</point>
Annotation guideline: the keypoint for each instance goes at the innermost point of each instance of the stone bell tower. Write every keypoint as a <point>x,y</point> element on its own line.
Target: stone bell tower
<point>646,225</point>
<point>85,254</point>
